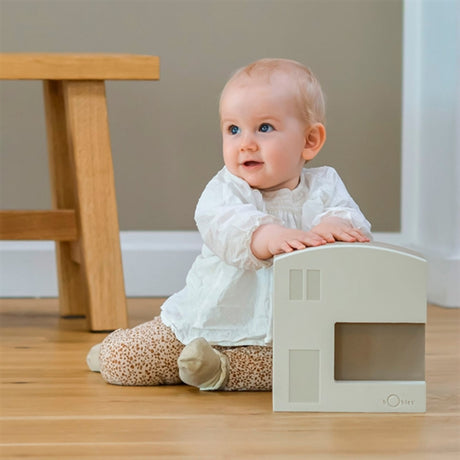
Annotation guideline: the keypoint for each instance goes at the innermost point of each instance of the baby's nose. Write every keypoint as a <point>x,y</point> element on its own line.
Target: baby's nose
<point>248,143</point>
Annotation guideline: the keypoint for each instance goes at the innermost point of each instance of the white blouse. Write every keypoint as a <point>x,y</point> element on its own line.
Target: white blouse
<point>227,297</point>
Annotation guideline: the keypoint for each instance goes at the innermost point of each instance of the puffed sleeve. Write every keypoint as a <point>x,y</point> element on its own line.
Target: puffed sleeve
<point>227,214</point>
<point>337,201</point>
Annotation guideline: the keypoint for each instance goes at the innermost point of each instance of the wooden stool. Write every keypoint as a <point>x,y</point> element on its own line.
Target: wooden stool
<point>84,223</point>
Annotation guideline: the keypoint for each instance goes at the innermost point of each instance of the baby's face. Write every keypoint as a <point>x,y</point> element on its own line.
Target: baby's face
<point>263,134</point>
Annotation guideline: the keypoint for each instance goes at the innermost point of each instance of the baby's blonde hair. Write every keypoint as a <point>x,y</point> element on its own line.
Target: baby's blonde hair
<point>309,93</point>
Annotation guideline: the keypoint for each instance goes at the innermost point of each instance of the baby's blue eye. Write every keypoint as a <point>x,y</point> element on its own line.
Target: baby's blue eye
<point>233,129</point>
<point>265,128</point>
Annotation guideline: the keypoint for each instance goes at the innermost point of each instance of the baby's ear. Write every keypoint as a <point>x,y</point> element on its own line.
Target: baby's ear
<point>315,136</point>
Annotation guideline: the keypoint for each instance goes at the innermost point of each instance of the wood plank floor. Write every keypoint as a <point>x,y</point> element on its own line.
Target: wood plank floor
<point>53,407</point>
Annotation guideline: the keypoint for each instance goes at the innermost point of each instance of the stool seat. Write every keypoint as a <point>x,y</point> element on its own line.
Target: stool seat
<point>68,66</point>
<point>84,221</point>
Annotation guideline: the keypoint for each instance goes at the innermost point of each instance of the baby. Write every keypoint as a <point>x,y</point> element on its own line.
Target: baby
<point>216,333</point>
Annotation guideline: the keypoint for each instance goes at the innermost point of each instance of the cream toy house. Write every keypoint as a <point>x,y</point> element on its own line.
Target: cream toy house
<point>349,329</point>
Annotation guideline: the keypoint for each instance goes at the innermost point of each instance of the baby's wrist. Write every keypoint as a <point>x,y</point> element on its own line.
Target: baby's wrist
<point>261,238</point>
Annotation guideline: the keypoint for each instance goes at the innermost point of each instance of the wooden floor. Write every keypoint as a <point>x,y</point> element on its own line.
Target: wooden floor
<point>53,407</point>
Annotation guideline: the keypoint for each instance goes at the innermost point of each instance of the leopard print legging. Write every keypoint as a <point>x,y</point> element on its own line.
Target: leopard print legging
<point>147,355</point>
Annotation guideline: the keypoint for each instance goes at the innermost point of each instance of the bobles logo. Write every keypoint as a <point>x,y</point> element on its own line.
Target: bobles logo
<point>394,400</point>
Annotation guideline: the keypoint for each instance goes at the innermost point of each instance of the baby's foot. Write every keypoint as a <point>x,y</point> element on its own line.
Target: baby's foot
<point>203,367</point>
<point>92,359</point>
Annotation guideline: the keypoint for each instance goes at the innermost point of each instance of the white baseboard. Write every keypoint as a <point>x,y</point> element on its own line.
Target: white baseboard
<point>443,271</point>
<point>443,278</point>
<point>156,264</point>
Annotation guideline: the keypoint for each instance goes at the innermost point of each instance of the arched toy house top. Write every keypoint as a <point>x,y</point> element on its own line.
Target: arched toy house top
<point>349,329</point>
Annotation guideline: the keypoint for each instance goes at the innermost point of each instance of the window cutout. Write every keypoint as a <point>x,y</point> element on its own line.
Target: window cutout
<point>313,285</point>
<point>379,351</point>
<point>295,284</point>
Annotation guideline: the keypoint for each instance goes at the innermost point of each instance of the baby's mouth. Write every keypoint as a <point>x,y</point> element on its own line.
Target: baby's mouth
<point>251,163</point>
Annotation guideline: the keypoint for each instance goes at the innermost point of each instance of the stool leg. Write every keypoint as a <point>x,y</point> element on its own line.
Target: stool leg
<point>89,143</point>
<point>89,148</point>
<point>73,299</point>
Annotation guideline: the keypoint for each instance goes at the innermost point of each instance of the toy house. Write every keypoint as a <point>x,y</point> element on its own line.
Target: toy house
<point>349,329</point>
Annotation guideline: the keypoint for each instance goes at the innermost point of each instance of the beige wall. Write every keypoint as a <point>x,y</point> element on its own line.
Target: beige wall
<point>165,135</point>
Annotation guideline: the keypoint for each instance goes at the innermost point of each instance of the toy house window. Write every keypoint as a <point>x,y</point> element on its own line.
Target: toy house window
<point>379,351</point>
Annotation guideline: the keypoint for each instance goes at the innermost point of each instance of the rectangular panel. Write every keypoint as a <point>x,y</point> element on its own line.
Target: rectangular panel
<point>313,285</point>
<point>379,351</point>
<point>304,375</point>
<point>295,284</point>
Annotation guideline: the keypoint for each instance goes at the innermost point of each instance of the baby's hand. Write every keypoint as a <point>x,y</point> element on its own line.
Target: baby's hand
<point>269,240</point>
<point>337,229</point>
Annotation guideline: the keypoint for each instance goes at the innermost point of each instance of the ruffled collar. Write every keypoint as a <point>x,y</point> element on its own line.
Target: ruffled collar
<point>286,194</point>
<point>283,195</point>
